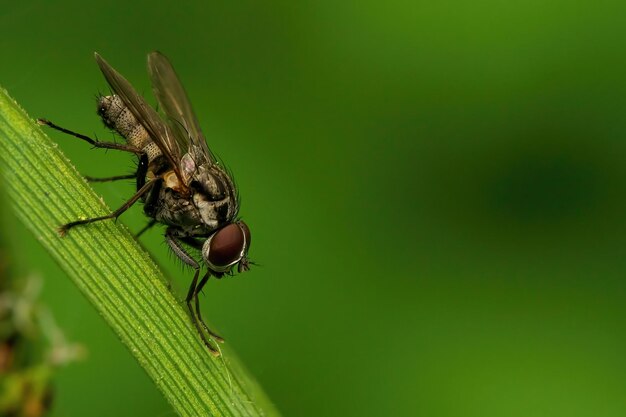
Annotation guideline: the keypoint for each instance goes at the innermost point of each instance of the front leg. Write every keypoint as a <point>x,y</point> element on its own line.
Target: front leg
<point>175,244</point>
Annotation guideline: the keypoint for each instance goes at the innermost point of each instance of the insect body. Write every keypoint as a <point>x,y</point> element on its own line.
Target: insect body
<point>178,179</point>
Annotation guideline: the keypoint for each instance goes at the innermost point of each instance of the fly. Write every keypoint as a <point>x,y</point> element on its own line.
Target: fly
<point>178,179</point>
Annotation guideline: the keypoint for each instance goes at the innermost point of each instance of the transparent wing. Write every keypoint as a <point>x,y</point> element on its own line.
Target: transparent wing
<point>173,100</point>
<point>159,132</point>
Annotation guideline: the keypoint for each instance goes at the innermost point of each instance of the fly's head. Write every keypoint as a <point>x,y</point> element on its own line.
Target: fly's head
<point>226,248</point>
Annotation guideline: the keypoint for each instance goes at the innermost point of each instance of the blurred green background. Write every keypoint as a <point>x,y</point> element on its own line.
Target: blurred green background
<point>436,193</point>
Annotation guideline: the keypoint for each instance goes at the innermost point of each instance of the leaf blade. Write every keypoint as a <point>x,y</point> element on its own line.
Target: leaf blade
<point>118,277</point>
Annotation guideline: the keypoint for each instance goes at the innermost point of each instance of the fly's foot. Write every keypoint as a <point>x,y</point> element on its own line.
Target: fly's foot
<point>214,335</point>
<point>216,353</point>
<point>62,230</point>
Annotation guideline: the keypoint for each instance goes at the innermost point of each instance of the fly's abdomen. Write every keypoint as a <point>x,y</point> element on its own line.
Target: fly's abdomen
<point>118,117</point>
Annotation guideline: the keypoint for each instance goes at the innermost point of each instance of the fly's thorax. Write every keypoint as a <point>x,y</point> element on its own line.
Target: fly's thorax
<point>214,196</point>
<point>118,117</point>
<point>174,209</point>
<point>199,203</point>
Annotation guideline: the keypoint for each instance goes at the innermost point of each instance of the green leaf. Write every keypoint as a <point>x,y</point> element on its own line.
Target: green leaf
<point>118,277</point>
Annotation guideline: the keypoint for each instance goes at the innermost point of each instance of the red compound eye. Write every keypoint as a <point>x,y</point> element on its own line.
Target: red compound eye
<point>246,232</point>
<point>227,246</point>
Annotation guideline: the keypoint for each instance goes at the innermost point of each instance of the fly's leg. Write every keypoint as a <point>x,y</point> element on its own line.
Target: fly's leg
<point>147,186</point>
<point>139,175</point>
<point>175,245</point>
<point>197,318</point>
<point>142,187</point>
<point>143,158</point>
<point>108,179</point>
<point>195,243</point>
<point>92,142</point>
<point>151,205</point>
<point>203,281</point>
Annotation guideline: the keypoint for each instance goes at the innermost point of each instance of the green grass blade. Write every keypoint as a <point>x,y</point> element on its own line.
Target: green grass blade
<point>118,277</point>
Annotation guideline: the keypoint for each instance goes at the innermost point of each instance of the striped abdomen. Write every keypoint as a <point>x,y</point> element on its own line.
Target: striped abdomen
<point>118,117</point>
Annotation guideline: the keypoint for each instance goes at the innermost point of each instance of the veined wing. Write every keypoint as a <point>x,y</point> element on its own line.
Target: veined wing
<point>159,131</point>
<point>173,100</point>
